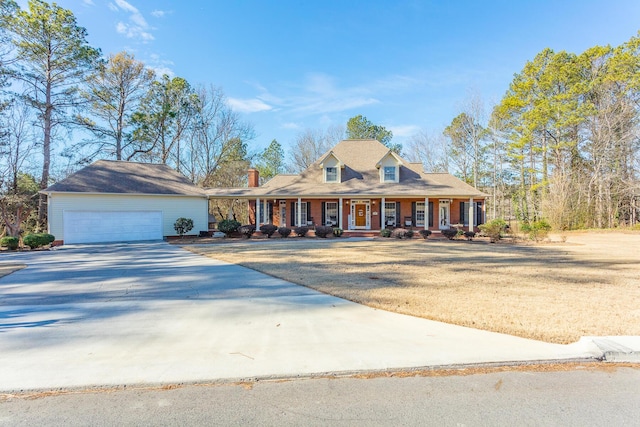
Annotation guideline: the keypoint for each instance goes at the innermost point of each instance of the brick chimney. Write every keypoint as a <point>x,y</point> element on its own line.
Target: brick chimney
<point>254,178</point>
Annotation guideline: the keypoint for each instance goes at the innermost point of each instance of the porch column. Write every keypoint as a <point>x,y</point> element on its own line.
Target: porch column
<point>258,213</point>
<point>471,218</point>
<point>299,212</point>
<point>340,212</point>
<point>426,213</point>
<point>383,215</point>
<point>266,211</point>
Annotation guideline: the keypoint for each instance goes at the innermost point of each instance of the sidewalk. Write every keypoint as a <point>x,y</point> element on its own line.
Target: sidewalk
<point>155,314</point>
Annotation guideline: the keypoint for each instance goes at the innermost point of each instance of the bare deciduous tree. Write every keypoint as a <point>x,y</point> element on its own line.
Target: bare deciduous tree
<point>311,144</point>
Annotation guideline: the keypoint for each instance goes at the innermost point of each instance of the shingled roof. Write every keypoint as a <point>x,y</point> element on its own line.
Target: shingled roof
<point>360,177</point>
<point>120,177</point>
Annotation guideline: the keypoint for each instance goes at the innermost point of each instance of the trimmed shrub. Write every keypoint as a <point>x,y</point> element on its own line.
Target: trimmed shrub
<point>9,242</point>
<point>385,232</point>
<point>228,226</point>
<point>268,230</point>
<point>284,232</point>
<point>183,225</point>
<point>338,231</point>
<point>323,231</point>
<point>537,230</point>
<point>425,233</point>
<point>402,233</point>
<point>469,235</point>
<point>38,240</point>
<point>301,231</point>
<point>247,230</point>
<point>450,234</point>
<point>494,229</point>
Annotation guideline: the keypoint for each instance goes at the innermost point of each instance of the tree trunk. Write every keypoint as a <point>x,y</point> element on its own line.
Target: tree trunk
<point>46,155</point>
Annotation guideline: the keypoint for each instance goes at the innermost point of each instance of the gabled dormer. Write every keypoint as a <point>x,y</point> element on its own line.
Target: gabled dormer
<point>331,168</point>
<point>389,167</point>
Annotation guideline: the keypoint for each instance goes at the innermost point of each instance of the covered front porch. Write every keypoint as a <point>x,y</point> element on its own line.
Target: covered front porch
<point>366,214</point>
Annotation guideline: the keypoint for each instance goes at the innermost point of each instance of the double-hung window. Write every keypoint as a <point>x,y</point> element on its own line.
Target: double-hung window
<point>331,174</point>
<point>303,211</point>
<point>478,217</point>
<point>420,214</point>
<point>390,214</point>
<point>389,173</point>
<point>331,213</point>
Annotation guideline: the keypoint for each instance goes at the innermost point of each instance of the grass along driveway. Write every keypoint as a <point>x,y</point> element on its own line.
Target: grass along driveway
<point>589,285</point>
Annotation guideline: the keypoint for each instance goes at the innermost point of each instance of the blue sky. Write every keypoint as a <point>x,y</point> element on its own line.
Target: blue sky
<point>287,66</point>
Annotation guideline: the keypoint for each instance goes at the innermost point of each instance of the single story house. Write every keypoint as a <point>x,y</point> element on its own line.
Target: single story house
<point>361,185</point>
<point>110,201</point>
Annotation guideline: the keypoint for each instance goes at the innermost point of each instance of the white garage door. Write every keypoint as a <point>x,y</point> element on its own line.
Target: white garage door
<point>111,226</point>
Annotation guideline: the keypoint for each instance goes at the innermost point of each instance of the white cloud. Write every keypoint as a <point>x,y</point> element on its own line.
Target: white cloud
<point>88,2</point>
<point>160,66</point>
<point>404,130</point>
<point>161,70</point>
<point>159,13</point>
<point>122,4</point>
<point>253,105</point>
<point>138,28</point>
<point>291,125</point>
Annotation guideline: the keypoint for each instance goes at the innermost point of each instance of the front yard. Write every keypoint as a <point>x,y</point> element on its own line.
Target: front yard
<point>555,292</point>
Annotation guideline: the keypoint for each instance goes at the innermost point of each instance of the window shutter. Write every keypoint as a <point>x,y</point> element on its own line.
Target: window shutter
<point>479,219</point>
<point>293,215</point>
<point>308,211</point>
<point>462,215</point>
<point>324,213</point>
<point>270,213</point>
<point>413,213</point>
<point>398,217</point>
<point>430,214</point>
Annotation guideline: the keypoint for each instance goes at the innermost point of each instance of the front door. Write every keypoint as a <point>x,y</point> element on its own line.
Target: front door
<point>361,215</point>
<point>443,223</point>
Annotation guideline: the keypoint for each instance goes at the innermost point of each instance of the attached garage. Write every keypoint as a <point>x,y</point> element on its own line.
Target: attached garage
<point>117,201</point>
<point>111,226</point>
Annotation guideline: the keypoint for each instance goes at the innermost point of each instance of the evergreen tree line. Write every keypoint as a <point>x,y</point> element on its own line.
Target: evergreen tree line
<point>562,145</point>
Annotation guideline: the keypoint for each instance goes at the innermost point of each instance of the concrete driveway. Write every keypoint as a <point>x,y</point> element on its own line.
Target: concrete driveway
<point>152,313</point>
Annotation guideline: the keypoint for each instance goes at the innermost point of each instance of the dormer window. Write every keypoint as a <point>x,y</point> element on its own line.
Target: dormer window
<point>389,167</point>
<point>390,174</point>
<point>331,168</point>
<point>331,174</point>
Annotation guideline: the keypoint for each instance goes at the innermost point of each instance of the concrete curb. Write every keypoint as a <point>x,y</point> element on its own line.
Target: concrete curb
<point>619,349</point>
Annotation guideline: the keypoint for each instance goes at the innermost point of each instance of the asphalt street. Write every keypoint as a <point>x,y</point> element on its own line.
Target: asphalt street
<point>582,396</point>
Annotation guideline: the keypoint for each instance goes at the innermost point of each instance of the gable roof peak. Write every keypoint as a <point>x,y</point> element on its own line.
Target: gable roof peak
<point>327,156</point>
<point>397,158</point>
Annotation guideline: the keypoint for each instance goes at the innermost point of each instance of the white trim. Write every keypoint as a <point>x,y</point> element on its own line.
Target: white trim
<point>471,214</point>
<point>426,213</point>
<point>352,224</point>
<point>444,214</point>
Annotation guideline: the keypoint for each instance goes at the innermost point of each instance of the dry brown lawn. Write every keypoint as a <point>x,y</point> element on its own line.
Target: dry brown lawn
<point>555,292</point>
